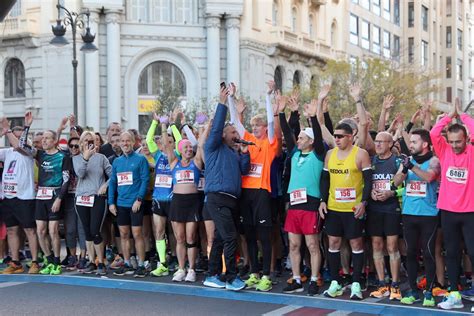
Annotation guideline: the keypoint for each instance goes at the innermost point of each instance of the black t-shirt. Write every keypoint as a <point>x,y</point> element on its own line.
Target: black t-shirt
<point>106,150</point>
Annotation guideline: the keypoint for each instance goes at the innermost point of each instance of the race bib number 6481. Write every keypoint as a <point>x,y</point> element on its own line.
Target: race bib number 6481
<point>457,175</point>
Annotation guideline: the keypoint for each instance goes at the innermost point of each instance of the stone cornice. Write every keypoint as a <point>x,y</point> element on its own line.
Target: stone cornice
<point>162,38</point>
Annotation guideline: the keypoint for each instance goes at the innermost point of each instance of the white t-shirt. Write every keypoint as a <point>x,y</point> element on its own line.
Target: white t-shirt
<point>18,175</point>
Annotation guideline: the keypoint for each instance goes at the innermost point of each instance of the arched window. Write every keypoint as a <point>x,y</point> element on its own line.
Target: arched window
<point>160,76</point>
<point>275,12</point>
<point>14,79</point>
<point>313,82</point>
<point>334,34</point>
<point>296,78</point>
<point>278,78</point>
<point>294,19</point>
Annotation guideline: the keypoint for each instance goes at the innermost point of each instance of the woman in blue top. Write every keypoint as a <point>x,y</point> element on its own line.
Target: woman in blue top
<point>186,202</point>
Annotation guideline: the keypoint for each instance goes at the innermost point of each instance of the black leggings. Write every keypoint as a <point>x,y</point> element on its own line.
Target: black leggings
<point>264,235</point>
<point>92,219</point>
<point>420,230</point>
<point>455,226</point>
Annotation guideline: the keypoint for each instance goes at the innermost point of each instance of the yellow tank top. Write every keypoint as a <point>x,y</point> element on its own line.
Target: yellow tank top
<point>346,182</point>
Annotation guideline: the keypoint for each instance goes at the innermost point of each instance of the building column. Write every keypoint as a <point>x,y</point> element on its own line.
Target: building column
<point>232,24</point>
<point>92,83</point>
<point>114,87</point>
<point>213,24</point>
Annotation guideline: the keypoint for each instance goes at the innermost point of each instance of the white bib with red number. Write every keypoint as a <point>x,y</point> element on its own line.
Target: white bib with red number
<point>255,170</point>
<point>124,178</point>
<point>163,181</point>
<point>10,189</point>
<point>184,176</point>
<point>85,200</point>
<point>44,193</point>
<point>458,175</point>
<point>345,195</point>
<point>381,185</point>
<point>416,188</point>
<point>298,196</point>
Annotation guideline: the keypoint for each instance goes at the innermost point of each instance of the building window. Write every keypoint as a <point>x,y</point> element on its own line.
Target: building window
<point>278,78</point>
<point>449,8</point>
<point>311,31</point>
<point>365,34</point>
<point>354,30</point>
<point>275,19</point>
<point>334,34</point>
<point>16,9</point>
<point>376,39</point>
<point>396,47</point>
<point>449,37</point>
<point>365,4</point>
<point>355,1</point>
<point>294,19</point>
<point>411,50</point>
<point>424,53</point>
<point>424,17</point>
<point>158,76</point>
<point>138,10</point>
<point>386,10</point>
<point>14,79</point>
<point>460,93</point>
<point>435,32</point>
<point>386,44</point>
<point>448,67</point>
<point>449,94</point>
<point>459,39</point>
<point>161,11</point>
<point>396,12</point>
<point>459,70</point>
<point>184,11</point>
<point>411,14</point>
<point>376,7</point>
<point>296,79</point>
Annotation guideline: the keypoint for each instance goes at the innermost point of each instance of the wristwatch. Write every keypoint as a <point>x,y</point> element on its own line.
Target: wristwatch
<point>139,199</point>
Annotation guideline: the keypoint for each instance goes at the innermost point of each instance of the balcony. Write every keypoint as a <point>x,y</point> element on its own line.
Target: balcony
<point>23,26</point>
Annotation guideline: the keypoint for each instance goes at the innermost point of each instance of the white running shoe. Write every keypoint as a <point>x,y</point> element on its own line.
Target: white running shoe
<point>191,276</point>
<point>179,275</point>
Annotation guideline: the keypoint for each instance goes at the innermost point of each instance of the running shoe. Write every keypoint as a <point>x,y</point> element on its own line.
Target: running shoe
<point>410,298</point>
<point>82,265</point>
<point>382,291</point>
<point>346,281</point>
<point>214,282</point>
<point>313,288</point>
<point>252,281</point>
<point>293,287</point>
<point>71,263</point>
<point>179,275</point>
<point>264,285</point>
<point>236,285</point>
<point>109,254</point>
<point>56,270</point>
<point>395,293</point>
<point>439,291</point>
<point>13,268</point>
<point>334,290</point>
<point>101,269</point>
<point>133,262</point>
<point>91,268</point>
<point>468,294</point>
<point>421,284</point>
<point>46,269</point>
<point>160,271</point>
<point>453,300</point>
<point>65,261</point>
<point>140,272</point>
<point>356,292</point>
<point>190,276</point>
<point>123,270</point>
<point>34,268</point>
<point>201,264</point>
<point>429,300</point>
<point>117,263</point>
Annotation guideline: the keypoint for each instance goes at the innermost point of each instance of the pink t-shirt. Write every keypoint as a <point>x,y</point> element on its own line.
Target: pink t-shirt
<point>456,192</point>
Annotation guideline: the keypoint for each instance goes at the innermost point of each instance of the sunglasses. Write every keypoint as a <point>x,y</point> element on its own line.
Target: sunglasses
<point>339,136</point>
<point>75,146</point>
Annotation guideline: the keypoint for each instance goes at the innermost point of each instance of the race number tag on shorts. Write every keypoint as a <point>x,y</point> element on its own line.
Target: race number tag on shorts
<point>184,176</point>
<point>124,178</point>
<point>255,170</point>
<point>163,181</point>
<point>458,175</point>
<point>85,200</point>
<point>44,193</point>
<point>382,185</point>
<point>10,189</point>
<point>345,195</point>
<point>416,188</point>
<point>201,184</point>
<point>298,196</point>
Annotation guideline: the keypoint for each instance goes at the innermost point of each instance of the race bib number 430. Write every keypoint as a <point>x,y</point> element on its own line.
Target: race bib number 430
<point>345,195</point>
<point>458,175</point>
<point>416,188</point>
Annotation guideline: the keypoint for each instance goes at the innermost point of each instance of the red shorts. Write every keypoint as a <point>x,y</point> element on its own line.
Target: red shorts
<point>302,222</point>
<point>3,231</point>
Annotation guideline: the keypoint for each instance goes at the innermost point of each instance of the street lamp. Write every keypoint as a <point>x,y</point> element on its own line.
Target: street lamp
<point>76,21</point>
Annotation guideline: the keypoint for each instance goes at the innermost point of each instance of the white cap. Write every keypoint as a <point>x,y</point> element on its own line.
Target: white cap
<point>309,131</point>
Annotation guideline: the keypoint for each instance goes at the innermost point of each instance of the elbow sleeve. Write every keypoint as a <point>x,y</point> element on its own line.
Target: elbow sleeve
<point>324,185</point>
<point>367,174</point>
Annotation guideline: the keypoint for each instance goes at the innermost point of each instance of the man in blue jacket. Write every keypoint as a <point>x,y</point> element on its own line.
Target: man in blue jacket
<point>127,187</point>
<point>224,167</point>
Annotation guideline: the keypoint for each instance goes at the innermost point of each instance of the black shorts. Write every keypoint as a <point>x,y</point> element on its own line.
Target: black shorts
<point>186,208</point>
<point>343,224</point>
<point>18,212</point>
<point>382,224</point>
<point>255,207</point>
<point>146,207</point>
<point>43,211</point>
<point>161,208</point>
<point>126,217</point>
<point>206,216</point>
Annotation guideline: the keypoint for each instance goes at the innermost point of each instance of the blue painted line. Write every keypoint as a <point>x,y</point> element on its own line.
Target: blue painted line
<point>248,296</point>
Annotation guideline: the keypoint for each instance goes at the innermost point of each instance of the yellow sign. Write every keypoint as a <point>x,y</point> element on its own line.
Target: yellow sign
<point>146,105</point>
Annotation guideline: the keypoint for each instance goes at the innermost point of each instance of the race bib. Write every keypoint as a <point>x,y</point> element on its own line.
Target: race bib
<point>85,200</point>
<point>44,193</point>
<point>457,175</point>
<point>124,178</point>
<point>416,188</point>
<point>381,185</point>
<point>298,196</point>
<point>255,170</point>
<point>10,189</point>
<point>163,181</point>
<point>345,195</point>
<point>201,184</point>
<point>184,176</point>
